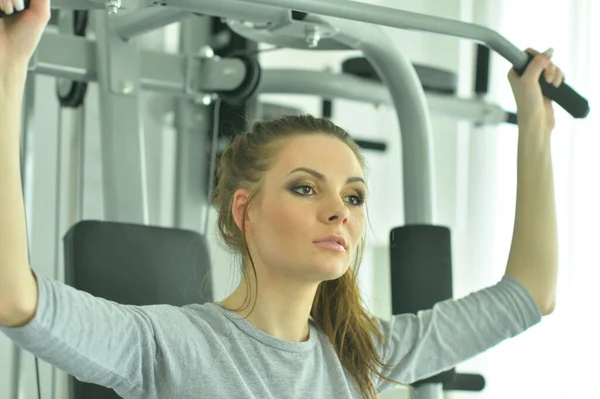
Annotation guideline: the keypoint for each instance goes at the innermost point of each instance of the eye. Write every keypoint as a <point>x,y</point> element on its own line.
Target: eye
<point>356,200</point>
<point>303,190</point>
<point>307,190</point>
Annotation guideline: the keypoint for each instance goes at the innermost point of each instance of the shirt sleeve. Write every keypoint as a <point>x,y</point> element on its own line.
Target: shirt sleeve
<point>435,340</point>
<point>93,339</point>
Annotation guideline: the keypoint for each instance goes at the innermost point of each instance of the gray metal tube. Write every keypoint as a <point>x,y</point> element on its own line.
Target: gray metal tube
<point>145,20</point>
<point>297,40</point>
<point>348,87</point>
<point>232,9</point>
<point>430,391</point>
<point>77,5</point>
<point>323,84</point>
<point>122,139</point>
<point>399,75</point>
<point>387,16</point>
<point>13,392</point>
<point>193,123</point>
<point>75,58</point>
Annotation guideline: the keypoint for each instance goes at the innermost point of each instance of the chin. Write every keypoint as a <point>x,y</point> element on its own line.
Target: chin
<point>329,270</point>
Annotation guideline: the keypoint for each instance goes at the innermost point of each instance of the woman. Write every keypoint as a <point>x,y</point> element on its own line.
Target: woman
<point>291,197</point>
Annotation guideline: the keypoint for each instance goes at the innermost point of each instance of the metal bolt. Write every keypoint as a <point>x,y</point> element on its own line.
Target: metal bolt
<point>313,37</point>
<point>113,6</point>
<point>207,52</point>
<point>208,99</point>
<point>126,87</point>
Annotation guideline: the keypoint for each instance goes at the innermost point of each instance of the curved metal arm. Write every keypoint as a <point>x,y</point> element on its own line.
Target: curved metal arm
<point>388,16</point>
<point>348,87</point>
<point>232,9</point>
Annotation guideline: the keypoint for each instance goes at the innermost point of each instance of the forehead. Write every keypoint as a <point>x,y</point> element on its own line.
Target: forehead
<point>328,155</point>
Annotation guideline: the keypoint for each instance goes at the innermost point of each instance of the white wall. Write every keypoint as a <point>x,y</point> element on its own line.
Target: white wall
<point>463,165</point>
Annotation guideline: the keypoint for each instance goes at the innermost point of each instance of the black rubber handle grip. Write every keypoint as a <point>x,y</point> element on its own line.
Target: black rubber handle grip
<point>3,14</point>
<point>563,95</point>
<point>466,382</point>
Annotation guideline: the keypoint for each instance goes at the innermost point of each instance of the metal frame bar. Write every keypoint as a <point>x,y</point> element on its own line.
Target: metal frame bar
<point>261,14</point>
<point>348,87</point>
<point>70,167</point>
<point>76,58</point>
<point>193,123</point>
<point>123,158</point>
<point>276,11</point>
<point>146,19</point>
<point>165,73</point>
<point>395,18</point>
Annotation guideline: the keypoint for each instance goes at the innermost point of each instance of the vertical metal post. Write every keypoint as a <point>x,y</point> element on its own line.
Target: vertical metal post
<point>122,137</point>
<point>69,200</point>
<point>194,123</point>
<point>13,388</point>
<point>69,188</point>
<point>428,391</point>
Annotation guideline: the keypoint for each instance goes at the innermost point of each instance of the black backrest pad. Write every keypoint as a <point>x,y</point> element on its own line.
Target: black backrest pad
<point>138,265</point>
<point>135,265</point>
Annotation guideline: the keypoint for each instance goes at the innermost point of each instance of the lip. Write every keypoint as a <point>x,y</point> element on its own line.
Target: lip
<point>331,245</point>
<point>335,238</point>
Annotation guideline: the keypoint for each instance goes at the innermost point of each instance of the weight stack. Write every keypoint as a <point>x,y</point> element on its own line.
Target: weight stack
<point>421,274</point>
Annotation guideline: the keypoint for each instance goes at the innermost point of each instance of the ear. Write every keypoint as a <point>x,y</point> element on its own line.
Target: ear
<point>240,202</point>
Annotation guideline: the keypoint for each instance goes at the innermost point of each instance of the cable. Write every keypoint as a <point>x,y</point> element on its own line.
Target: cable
<point>213,161</point>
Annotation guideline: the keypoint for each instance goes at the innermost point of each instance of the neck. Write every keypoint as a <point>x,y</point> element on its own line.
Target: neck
<point>278,309</point>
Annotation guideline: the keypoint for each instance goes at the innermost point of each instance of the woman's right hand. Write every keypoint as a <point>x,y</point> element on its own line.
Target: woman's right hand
<point>21,33</point>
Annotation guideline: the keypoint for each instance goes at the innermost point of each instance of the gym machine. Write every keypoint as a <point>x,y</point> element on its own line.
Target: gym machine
<point>203,82</point>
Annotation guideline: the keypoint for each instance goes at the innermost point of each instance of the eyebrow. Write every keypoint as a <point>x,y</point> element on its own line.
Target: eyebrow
<point>321,176</point>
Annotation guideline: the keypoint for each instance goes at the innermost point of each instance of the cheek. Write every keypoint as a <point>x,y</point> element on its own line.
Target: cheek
<point>282,222</point>
<point>357,226</point>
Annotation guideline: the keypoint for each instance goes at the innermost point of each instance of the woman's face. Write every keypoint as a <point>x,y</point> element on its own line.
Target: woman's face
<point>309,217</point>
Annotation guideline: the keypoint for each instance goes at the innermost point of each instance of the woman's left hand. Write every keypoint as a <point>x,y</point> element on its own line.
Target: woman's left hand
<point>534,111</point>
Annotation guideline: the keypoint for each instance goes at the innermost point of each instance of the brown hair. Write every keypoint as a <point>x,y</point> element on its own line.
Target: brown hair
<point>337,308</point>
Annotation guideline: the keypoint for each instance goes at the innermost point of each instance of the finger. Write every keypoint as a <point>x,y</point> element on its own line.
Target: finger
<point>512,75</point>
<point>549,52</point>
<point>40,7</point>
<point>7,7</point>
<point>535,68</point>
<point>559,78</point>
<point>19,5</point>
<point>550,73</point>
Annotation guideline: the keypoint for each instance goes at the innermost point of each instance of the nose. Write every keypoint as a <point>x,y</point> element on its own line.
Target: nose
<point>336,210</point>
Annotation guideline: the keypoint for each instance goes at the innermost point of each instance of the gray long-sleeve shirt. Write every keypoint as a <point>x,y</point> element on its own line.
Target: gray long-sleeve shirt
<point>206,351</point>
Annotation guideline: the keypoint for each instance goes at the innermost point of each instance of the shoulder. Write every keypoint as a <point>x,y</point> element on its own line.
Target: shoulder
<point>193,316</point>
